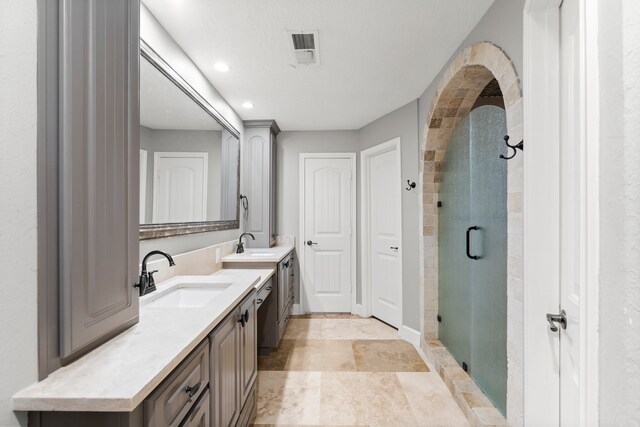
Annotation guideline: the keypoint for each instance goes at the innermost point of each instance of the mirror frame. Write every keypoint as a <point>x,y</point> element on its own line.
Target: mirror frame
<point>158,231</point>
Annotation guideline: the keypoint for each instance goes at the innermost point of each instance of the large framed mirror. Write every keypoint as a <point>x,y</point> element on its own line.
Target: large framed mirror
<point>189,156</point>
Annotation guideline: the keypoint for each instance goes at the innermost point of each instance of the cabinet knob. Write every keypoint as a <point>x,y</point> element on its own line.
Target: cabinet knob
<point>192,390</point>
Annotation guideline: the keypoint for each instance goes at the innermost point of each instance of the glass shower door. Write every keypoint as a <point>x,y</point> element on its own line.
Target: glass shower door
<point>488,365</point>
<point>473,292</point>
<point>454,268</point>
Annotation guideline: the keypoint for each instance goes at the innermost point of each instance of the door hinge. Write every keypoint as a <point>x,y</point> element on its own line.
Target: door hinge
<point>465,367</point>
<point>439,318</point>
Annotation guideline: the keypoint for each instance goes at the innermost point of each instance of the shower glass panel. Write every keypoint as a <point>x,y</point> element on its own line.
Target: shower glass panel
<point>481,302</point>
<point>454,269</point>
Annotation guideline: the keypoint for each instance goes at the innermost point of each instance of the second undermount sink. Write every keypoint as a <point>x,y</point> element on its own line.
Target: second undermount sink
<point>188,295</point>
<point>259,253</point>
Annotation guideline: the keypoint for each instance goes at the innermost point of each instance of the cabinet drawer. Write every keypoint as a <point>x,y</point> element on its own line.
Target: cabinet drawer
<point>172,400</point>
<point>264,292</point>
<point>200,415</point>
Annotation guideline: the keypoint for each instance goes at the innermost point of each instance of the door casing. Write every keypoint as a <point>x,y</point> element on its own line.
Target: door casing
<point>300,243</point>
<point>365,218</point>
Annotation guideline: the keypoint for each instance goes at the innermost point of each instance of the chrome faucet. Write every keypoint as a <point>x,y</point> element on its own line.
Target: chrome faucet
<point>240,248</point>
<point>146,285</point>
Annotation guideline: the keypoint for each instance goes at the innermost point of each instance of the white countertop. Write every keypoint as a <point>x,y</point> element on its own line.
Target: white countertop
<point>274,254</point>
<point>121,373</point>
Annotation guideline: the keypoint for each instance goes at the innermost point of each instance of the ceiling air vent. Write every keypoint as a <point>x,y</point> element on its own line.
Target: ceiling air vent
<point>305,47</point>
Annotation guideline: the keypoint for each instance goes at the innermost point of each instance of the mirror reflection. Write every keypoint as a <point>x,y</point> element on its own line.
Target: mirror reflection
<point>188,161</point>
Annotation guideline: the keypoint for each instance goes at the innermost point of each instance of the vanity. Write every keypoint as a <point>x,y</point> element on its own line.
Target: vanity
<point>276,305</point>
<point>137,159</point>
<point>190,361</point>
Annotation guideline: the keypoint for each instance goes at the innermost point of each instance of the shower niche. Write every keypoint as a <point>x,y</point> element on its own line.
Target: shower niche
<point>472,250</point>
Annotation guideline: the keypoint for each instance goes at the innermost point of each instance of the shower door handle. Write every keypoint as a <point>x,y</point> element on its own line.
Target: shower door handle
<point>469,230</point>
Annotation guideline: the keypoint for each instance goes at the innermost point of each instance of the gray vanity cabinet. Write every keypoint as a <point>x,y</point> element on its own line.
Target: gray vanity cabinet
<point>225,369</point>
<point>249,345</point>
<point>234,365</point>
<point>260,178</point>
<point>98,164</point>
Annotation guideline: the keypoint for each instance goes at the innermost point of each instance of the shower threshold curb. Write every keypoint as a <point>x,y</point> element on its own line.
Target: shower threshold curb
<point>475,405</point>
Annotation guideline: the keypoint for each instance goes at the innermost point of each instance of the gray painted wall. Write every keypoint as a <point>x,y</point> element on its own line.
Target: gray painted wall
<point>164,140</point>
<point>619,44</point>
<point>18,209</point>
<point>403,123</point>
<point>157,37</point>
<point>289,146</point>
<point>501,25</point>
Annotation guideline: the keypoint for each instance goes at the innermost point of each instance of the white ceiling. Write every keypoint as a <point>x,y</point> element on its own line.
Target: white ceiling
<point>164,106</point>
<point>375,55</point>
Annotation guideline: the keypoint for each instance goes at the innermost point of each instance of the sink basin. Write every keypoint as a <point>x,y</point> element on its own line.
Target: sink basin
<point>259,253</point>
<point>188,295</point>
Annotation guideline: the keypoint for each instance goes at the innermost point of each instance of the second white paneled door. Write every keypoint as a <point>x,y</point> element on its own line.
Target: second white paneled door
<point>382,231</point>
<point>327,202</point>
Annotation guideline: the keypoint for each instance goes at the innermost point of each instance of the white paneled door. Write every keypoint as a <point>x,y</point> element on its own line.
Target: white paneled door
<point>382,230</point>
<point>179,187</point>
<point>327,227</point>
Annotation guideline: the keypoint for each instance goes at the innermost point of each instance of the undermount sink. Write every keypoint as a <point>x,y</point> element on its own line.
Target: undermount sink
<point>259,253</point>
<point>188,295</point>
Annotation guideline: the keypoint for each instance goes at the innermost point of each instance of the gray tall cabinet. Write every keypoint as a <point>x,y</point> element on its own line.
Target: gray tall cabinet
<point>98,146</point>
<point>260,178</point>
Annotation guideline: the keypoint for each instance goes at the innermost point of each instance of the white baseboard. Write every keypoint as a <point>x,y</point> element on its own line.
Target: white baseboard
<point>410,334</point>
<point>295,309</point>
<point>359,310</point>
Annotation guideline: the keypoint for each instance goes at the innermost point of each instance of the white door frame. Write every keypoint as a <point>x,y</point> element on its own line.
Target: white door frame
<point>541,83</point>
<point>300,241</point>
<point>365,224</point>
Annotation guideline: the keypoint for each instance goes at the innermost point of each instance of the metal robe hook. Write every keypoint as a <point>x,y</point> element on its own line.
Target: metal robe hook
<point>513,147</point>
<point>411,185</point>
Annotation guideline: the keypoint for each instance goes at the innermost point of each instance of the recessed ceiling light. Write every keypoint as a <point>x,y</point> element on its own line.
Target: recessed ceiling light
<point>222,67</point>
<point>248,104</point>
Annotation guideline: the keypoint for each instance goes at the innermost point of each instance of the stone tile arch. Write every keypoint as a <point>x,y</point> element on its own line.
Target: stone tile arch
<point>461,84</point>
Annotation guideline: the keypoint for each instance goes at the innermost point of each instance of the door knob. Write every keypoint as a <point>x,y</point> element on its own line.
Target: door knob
<point>309,243</point>
<point>395,248</point>
<point>555,319</point>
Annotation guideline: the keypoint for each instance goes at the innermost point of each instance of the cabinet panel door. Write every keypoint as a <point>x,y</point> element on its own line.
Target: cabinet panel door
<point>99,160</point>
<point>281,273</point>
<point>225,368</point>
<point>248,348</point>
<point>257,189</point>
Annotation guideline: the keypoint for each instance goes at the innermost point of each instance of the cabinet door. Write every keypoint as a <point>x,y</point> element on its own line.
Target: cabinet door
<point>248,347</point>
<point>225,368</point>
<point>257,188</point>
<point>272,190</point>
<point>99,161</point>
<point>281,273</point>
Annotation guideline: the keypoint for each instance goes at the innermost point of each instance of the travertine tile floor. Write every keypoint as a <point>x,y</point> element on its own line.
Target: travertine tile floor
<point>345,370</point>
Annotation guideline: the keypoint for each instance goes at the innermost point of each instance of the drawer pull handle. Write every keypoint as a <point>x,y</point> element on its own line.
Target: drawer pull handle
<point>259,301</point>
<point>192,390</point>
<point>269,288</point>
<point>246,316</point>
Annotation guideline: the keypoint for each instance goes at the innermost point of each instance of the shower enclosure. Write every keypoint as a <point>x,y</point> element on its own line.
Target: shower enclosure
<point>472,250</point>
